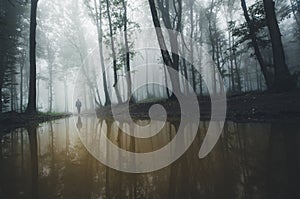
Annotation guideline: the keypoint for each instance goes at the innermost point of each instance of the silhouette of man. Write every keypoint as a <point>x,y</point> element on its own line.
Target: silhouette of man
<point>78,105</point>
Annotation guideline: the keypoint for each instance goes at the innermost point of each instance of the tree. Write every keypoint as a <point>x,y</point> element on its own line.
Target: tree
<point>12,14</point>
<point>127,51</point>
<point>253,37</point>
<point>296,11</point>
<point>283,80</point>
<point>99,22</point>
<point>31,108</point>
<point>113,49</point>
<point>174,61</point>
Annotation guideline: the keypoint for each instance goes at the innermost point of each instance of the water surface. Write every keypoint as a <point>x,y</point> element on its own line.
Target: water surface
<point>251,160</point>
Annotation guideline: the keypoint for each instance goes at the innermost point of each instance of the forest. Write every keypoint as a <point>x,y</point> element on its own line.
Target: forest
<point>254,46</point>
<point>149,99</point>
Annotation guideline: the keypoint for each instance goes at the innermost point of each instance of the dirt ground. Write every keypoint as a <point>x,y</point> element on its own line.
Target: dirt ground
<point>250,107</point>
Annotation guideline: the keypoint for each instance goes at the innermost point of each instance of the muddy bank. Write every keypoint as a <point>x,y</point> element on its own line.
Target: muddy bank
<point>250,107</point>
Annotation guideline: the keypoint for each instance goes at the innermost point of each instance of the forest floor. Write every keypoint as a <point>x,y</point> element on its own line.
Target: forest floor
<point>13,120</point>
<point>249,107</point>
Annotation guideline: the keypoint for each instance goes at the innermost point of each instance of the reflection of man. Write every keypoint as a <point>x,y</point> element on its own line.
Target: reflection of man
<point>78,105</point>
<point>79,123</point>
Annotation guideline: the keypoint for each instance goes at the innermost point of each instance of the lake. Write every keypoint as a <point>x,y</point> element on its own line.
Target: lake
<point>250,160</point>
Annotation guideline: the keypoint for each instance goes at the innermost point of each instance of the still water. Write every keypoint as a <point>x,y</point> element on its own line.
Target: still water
<point>251,160</point>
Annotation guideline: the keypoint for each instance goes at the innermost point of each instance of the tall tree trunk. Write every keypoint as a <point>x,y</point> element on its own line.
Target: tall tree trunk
<point>21,86</point>
<point>12,97</point>
<point>128,76</point>
<point>257,52</point>
<point>163,48</point>
<point>50,69</point>
<point>100,43</point>
<point>283,80</point>
<point>1,103</point>
<point>237,69</point>
<point>32,134</point>
<point>31,108</point>
<point>231,60</point>
<point>147,74</point>
<point>184,67</point>
<point>213,46</point>
<point>112,43</point>
<point>66,95</point>
<point>192,44</point>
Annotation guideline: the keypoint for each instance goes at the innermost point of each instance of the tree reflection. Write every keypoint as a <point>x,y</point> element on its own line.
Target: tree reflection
<point>249,161</point>
<point>32,135</point>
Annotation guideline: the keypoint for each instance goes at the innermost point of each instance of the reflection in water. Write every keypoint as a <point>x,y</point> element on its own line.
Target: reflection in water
<point>79,123</point>
<point>249,161</point>
<point>32,134</point>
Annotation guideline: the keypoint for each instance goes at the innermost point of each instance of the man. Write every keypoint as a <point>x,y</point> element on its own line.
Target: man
<point>78,105</point>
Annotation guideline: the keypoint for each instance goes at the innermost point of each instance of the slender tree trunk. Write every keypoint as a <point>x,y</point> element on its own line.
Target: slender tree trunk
<point>257,52</point>
<point>2,68</point>
<point>163,48</point>
<point>128,76</point>
<point>191,44</point>
<point>100,43</point>
<point>66,96</point>
<point>112,43</point>
<point>12,97</point>
<point>1,103</point>
<point>21,87</point>
<point>213,46</point>
<point>166,82</point>
<point>283,80</point>
<point>32,134</point>
<point>31,108</point>
<point>184,66</point>
<point>147,73</point>
<point>231,61</point>
<point>237,71</point>
<point>50,68</point>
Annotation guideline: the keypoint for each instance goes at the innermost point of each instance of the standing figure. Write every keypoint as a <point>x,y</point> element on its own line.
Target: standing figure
<point>78,105</point>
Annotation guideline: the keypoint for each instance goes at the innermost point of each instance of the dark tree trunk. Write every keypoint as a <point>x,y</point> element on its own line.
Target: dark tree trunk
<point>1,103</point>
<point>283,80</point>
<point>112,43</point>
<point>128,76</point>
<point>32,134</point>
<point>21,86</point>
<point>191,44</point>
<point>31,108</point>
<point>185,72</point>
<point>213,46</point>
<point>100,43</point>
<point>163,48</point>
<point>257,52</point>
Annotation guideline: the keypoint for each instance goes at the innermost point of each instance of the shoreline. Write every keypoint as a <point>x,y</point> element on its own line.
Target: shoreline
<point>13,120</point>
<point>249,107</point>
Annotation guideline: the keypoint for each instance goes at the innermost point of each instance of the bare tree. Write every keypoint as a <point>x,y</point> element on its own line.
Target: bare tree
<point>113,49</point>
<point>257,51</point>
<point>31,108</point>
<point>283,80</point>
